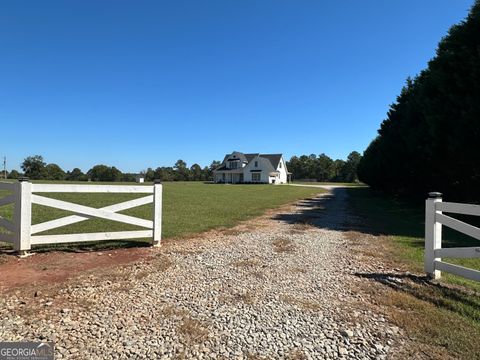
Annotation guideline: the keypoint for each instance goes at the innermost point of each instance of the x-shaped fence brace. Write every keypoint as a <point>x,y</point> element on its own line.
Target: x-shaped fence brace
<point>22,231</point>
<point>85,212</point>
<point>434,252</point>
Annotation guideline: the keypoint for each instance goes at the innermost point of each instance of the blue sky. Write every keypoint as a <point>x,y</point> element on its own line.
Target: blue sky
<point>144,83</point>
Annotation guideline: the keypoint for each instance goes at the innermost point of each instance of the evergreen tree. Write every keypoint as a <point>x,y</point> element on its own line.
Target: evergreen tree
<point>430,138</point>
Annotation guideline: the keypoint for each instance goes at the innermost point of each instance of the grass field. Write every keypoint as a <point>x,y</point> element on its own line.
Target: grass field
<point>188,207</point>
<point>328,183</point>
<point>444,316</point>
<point>405,223</point>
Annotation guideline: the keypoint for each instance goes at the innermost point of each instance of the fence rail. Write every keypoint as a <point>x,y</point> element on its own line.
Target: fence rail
<point>25,194</point>
<point>434,220</point>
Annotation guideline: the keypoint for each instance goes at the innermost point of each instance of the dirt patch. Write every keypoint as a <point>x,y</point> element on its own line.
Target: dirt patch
<point>298,270</point>
<point>283,245</point>
<point>301,226</point>
<point>247,297</point>
<point>193,330</point>
<point>54,267</point>
<point>304,304</point>
<point>162,262</point>
<point>4,259</point>
<point>49,268</point>
<point>170,311</point>
<point>233,231</point>
<point>246,263</point>
<point>297,355</point>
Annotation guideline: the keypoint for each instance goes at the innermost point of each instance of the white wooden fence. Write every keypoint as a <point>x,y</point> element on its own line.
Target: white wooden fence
<point>434,219</point>
<point>24,194</point>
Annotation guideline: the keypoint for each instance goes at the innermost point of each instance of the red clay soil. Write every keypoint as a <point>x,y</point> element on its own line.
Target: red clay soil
<point>49,268</point>
<point>55,266</point>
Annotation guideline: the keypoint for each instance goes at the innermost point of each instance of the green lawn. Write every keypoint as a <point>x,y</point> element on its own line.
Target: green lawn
<point>405,223</point>
<point>445,317</point>
<point>328,183</point>
<point>188,207</point>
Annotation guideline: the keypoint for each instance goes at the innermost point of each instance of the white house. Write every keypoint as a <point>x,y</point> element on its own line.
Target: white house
<point>252,168</point>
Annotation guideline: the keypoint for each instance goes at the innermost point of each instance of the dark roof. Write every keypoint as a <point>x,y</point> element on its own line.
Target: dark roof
<point>273,158</point>
<point>225,169</point>
<point>250,157</point>
<point>220,168</point>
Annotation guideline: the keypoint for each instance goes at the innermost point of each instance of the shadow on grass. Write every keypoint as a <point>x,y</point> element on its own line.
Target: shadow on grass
<point>81,247</point>
<point>457,300</point>
<point>366,211</point>
<point>334,211</point>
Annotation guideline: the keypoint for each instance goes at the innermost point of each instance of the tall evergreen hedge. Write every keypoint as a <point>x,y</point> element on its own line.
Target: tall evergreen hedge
<point>430,140</point>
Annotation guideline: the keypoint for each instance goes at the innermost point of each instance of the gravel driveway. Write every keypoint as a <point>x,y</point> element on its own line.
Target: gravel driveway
<point>279,286</point>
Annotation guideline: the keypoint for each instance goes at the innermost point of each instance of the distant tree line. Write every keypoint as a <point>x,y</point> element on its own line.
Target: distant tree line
<point>181,172</point>
<point>324,168</point>
<point>430,139</point>
<point>35,168</point>
<point>321,168</point>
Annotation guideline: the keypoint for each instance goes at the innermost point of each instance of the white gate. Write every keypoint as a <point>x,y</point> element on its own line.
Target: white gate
<point>25,194</point>
<point>434,219</point>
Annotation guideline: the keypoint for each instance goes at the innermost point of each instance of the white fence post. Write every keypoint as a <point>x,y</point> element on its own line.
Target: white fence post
<point>433,235</point>
<point>22,216</point>
<point>157,213</point>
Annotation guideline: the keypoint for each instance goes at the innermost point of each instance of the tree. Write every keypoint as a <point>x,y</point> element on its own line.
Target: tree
<point>165,173</point>
<point>53,172</point>
<point>324,170</point>
<point>348,172</point>
<point>33,167</point>
<point>149,174</point>
<point>129,177</point>
<point>306,167</point>
<point>338,166</point>
<point>429,139</point>
<point>181,170</point>
<point>207,174</point>
<point>104,173</point>
<point>195,172</point>
<point>14,174</point>
<point>75,175</point>
<point>294,166</point>
<point>215,164</point>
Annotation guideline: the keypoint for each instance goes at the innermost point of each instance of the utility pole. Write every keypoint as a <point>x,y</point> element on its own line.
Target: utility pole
<point>5,167</point>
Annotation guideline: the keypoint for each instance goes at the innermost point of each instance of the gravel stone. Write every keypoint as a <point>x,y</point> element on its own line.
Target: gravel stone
<point>278,286</point>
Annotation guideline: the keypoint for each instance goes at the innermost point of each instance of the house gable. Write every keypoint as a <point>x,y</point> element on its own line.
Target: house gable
<point>258,165</point>
<point>254,167</point>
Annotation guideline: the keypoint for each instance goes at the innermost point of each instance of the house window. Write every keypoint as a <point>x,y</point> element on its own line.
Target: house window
<point>233,164</point>
<point>280,165</point>
<point>256,177</point>
<point>256,163</point>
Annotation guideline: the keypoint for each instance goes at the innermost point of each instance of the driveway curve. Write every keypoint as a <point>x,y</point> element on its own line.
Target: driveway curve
<point>280,286</point>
